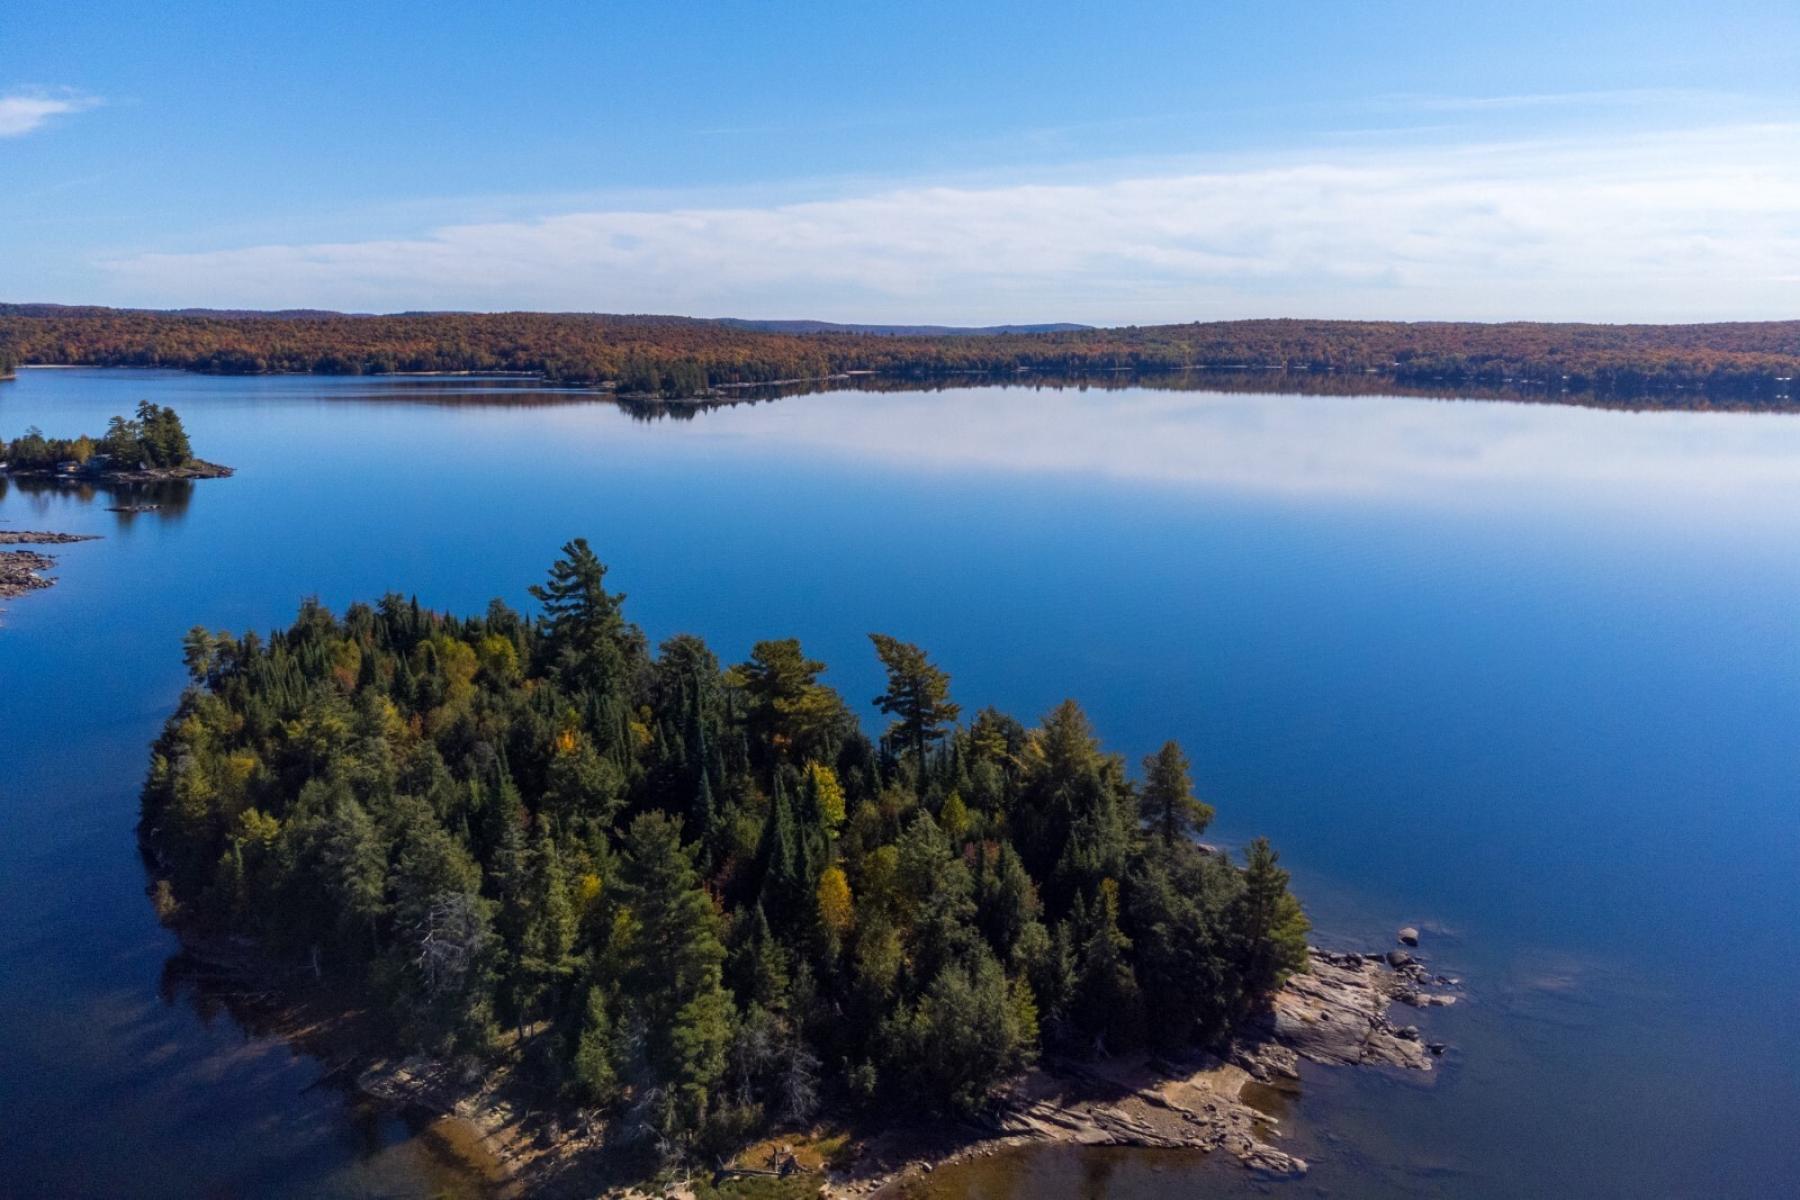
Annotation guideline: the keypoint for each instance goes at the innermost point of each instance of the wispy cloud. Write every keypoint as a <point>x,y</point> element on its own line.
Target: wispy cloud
<point>1597,98</point>
<point>1676,226</point>
<point>21,112</point>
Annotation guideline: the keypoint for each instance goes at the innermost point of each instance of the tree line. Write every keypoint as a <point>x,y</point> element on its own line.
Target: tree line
<point>677,357</point>
<point>153,438</point>
<point>698,899</point>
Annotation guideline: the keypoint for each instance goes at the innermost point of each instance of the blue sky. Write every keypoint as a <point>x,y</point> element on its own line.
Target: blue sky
<point>922,162</point>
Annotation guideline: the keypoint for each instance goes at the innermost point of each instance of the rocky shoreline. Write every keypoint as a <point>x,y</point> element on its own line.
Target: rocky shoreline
<point>196,468</point>
<point>1337,1014</point>
<point>521,1141</point>
<point>38,537</point>
<point>22,571</point>
<point>1334,1015</point>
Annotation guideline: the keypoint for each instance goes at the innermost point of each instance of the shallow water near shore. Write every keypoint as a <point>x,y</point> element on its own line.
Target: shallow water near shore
<point>1525,676</point>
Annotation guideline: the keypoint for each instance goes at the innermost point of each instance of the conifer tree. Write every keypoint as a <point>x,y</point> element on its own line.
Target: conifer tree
<point>1168,804</point>
<point>675,982</point>
<point>596,1078</point>
<point>917,696</point>
<point>1269,925</point>
<point>585,634</point>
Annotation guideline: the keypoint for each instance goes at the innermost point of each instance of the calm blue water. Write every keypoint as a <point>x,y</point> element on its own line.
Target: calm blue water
<point>1527,676</point>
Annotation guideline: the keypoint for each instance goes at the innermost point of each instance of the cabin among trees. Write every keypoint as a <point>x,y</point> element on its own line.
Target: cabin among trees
<point>154,438</point>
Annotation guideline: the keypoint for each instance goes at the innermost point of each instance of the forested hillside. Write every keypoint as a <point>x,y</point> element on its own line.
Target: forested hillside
<point>701,901</point>
<point>681,357</point>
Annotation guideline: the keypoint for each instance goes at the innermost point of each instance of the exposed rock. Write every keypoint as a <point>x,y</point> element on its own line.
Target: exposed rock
<point>1399,958</point>
<point>1338,1015</point>
<point>1409,936</point>
<point>95,471</point>
<point>1265,1060</point>
<point>38,537</point>
<point>19,572</point>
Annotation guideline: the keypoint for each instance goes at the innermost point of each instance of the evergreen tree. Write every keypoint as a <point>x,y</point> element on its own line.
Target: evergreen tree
<point>1073,824</point>
<point>790,711</point>
<point>596,1079</point>
<point>917,695</point>
<point>1106,989</point>
<point>1269,927</point>
<point>1168,804</point>
<point>585,634</point>
<point>675,982</point>
<point>434,802</point>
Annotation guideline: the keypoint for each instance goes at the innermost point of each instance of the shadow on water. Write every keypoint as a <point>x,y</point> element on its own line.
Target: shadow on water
<point>161,500</point>
<point>428,1153</point>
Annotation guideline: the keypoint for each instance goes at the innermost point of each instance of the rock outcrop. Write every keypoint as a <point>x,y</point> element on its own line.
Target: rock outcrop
<point>1335,1014</point>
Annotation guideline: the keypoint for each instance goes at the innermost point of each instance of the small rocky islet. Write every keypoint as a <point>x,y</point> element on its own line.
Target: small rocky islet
<point>22,571</point>
<point>150,449</point>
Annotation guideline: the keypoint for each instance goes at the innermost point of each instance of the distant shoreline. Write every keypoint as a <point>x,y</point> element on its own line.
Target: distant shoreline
<point>1752,363</point>
<point>1198,378</point>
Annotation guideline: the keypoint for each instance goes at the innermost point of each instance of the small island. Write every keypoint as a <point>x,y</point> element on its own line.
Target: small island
<point>626,913</point>
<point>150,448</point>
<point>22,571</point>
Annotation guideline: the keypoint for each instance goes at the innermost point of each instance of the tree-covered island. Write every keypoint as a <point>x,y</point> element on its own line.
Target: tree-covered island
<point>696,903</point>
<point>152,445</point>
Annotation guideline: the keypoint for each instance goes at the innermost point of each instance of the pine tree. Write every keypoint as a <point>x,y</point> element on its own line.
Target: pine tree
<point>585,634</point>
<point>790,711</point>
<point>595,1076</point>
<point>1106,989</point>
<point>917,696</point>
<point>1269,925</point>
<point>781,858</point>
<point>675,983</point>
<point>1168,804</point>
<point>355,860</point>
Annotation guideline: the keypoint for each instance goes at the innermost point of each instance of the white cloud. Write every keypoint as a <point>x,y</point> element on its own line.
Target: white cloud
<point>22,112</point>
<point>1696,225</point>
<point>1614,97</point>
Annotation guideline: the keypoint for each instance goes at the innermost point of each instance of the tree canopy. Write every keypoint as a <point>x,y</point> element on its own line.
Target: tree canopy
<point>658,356</point>
<point>154,438</point>
<point>701,901</point>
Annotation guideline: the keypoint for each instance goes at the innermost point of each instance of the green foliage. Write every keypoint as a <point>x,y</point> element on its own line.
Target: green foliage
<point>1168,804</point>
<point>154,439</point>
<point>917,696</point>
<point>704,900</point>
<point>654,358</point>
<point>1268,927</point>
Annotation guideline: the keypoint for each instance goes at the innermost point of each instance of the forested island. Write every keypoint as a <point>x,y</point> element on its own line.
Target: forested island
<point>1743,363</point>
<point>149,447</point>
<point>695,903</point>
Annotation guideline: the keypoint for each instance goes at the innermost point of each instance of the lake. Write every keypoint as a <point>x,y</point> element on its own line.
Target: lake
<point>1527,676</point>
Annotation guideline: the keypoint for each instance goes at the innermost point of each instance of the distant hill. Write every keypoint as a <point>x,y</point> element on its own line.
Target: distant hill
<point>899,330</point>
<point>1749,362</point>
